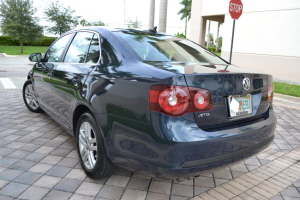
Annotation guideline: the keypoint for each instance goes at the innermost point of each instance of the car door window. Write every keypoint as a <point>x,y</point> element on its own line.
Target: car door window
<point>94,51</point>
<point>55,51</point>
<point>79,48</point>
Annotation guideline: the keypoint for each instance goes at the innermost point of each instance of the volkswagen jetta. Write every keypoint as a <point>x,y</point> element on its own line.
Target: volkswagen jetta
<point>150,102</point>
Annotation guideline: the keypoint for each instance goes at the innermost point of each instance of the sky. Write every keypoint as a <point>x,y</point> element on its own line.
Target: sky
<point>112,12</point>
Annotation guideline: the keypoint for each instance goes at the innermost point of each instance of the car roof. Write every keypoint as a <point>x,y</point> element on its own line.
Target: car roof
<point>102,29</point>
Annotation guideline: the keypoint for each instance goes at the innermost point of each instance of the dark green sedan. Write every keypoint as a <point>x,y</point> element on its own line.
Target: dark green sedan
<point>150,102</point>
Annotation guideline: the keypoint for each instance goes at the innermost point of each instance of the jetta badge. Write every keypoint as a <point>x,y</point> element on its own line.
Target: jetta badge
<point>246,83</point>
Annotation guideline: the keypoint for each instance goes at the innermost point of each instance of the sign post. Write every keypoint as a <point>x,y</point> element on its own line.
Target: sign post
<point>235,10</point>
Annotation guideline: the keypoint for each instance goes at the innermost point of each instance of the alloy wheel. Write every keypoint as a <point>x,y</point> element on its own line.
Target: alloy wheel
<point>30,98</point>
<point>87,145</point>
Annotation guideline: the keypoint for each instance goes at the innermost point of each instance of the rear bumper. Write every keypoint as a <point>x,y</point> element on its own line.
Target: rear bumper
<point>158,156</point>
<point>192,169</point>
<point>222,158</point>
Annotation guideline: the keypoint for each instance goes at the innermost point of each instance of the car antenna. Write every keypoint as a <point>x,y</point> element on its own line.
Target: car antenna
<point>153,30</point>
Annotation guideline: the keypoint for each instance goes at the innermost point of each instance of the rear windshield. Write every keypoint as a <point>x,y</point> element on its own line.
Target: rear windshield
<point>166,48</point>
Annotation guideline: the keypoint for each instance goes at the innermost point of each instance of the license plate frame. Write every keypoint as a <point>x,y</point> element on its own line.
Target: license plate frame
<point>239,105</point>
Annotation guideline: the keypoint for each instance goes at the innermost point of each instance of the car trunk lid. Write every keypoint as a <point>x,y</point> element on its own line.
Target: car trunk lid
<point>238,95</point>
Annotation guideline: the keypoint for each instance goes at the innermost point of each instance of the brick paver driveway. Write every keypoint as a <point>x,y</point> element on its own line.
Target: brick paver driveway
<point>38,160</point>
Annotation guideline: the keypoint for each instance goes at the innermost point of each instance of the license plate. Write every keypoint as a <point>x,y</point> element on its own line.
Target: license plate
<point>239,105</point>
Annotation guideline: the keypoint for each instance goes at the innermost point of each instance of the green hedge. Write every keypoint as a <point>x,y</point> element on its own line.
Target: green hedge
<point>45,41</point>
<point>180,35</point>
<point>213,49</point>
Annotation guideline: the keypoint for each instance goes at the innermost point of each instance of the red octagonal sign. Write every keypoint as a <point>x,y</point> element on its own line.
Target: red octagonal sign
<point>235,8</point>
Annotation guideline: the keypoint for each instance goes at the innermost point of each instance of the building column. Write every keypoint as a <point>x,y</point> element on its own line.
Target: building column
<point>197,22</point>
<point>163,16</point>
<point>202,32</point>
<point>217,45</point>
<point>208,36</point>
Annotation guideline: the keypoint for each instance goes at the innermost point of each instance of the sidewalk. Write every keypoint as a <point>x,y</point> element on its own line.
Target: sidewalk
<point>38,160</point>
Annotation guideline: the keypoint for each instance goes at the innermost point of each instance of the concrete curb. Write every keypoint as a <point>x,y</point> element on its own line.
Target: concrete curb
<point>291,99</point>
<point>287,100</point>
<point>11,56</point>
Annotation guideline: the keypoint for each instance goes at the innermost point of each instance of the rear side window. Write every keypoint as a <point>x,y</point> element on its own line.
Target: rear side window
<point>79,47</point>
<point>94,51</point>
<point>55,51</point>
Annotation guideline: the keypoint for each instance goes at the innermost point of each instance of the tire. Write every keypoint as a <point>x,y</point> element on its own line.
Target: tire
<point>29,97</point>
<point>90,148</point>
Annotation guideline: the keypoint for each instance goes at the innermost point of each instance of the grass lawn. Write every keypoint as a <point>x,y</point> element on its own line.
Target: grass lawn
<point>15,50</point>
<point>287,89</point>
<point>218,53</point>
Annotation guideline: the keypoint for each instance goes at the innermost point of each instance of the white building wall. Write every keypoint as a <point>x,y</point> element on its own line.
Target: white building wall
<point>266,35</point>
<point>272,32</point>
<point>196,21</point>
<point>214,7</point>
<point>217,7</point>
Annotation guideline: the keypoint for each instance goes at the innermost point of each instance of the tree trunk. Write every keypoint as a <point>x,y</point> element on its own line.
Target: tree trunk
<point>151,14</point>
<point>163,16</point>
<point>124,16</point>
<point>185,25</point>
<point>21,45</point>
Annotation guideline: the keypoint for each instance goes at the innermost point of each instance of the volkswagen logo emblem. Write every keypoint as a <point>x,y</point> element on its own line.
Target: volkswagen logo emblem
<point>246,83</point>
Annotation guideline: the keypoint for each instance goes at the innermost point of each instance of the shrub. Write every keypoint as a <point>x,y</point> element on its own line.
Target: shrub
<point>212,49</point>
<point>180,35</point>
<point>7,41</point>
<point>45,41</point>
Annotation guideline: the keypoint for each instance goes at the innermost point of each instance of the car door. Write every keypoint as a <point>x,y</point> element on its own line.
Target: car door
<point>43,73</point>
<point>69,76</point>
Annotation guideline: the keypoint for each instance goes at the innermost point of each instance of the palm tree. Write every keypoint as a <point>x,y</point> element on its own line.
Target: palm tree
<point>185,12</point>
<point>151,14</point>
<point>163,8</point>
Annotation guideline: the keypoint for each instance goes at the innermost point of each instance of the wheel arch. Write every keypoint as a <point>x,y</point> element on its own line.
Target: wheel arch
<point>30,74</point>
<point>78,111</point>
<point>109,167</point>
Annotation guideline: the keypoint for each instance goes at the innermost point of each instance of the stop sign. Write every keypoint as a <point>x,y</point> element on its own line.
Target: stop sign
<point>235,8</point>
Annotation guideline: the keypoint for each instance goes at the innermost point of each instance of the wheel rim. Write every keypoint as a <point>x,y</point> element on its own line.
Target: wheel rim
<point>87,145</point>
<point>30,98</point>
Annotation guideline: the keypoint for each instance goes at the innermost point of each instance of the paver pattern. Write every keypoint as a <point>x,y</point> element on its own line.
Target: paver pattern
<point>38,160</point>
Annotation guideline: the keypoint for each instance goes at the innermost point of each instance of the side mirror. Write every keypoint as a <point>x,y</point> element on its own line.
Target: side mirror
<point>35,57</point>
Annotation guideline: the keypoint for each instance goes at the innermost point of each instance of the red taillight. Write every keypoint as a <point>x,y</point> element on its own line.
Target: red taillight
<point>174,100</point>
<point>270,93</point>
<point>178,100</point>
<point>202,100</point>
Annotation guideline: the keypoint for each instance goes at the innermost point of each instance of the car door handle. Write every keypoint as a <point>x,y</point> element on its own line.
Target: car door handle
<point>76,81</point>
<point>39,68</point>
